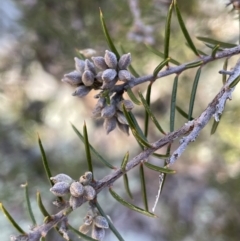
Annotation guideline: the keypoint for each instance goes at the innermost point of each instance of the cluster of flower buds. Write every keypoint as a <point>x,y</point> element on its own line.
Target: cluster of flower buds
<point>96,222</point>
<point>111,70</point>
<point>79,191</point>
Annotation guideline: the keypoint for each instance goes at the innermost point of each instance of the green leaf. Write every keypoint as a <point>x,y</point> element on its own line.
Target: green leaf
<point>83,236</point>
<point>216,42</point>
<point>111,226</point>
<point>151,115</point>
<point>224,76</point>
<point>173,103</point>
<point>143,186</point>
<point>11,220</point>
<point>160,156</point>
<point>160,66</point>
<point>45,162</point>
<point>193,65</point>
<point>135,131</point>
<point>148,102</point>
<point>125,161</point>
<point>160,54</point>
<point>193,93</point>
<point>30,212</point>
<point>126,185</point>
<point>183,113</point>
<point>133,97</point>
<point>235,82</point>
<point>214,50</point>
<point>92,149</point>
<point>168,31</point>
<point>41,206</point>
<point>107,36</point>
<point>215,125</point>
<point>87,148</point>
<point>184,29</point>
<point>159,169</point>
<point>129,205</point>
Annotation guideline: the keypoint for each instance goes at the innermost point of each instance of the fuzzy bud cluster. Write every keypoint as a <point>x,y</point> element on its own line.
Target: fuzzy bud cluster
<point>111,70</point>
<point>95,222</point>
<point>79,191</point>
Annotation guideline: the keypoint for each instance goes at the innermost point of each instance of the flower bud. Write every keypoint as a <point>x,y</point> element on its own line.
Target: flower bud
<point>79,65</point>
<point>121,118</point>
<point>101,222</point>
<point>108,75</point>
<point>124,61</point>
<point>60,189</point>
<point>124,128</point>
<point>81,91</point>
<point>124,75</point>
<point>98,77</point>
<point>84,228</point>
<point>72,78</point>
<point>87,78</point>
<point>99,62</point>
<point>76,202</point>
<point>76,189</point>
<point>90,66</point>
<point>61,178</point>
<point>89,193</point>
<point>98,233</point>
<point>86,178</point>
<point>127,103</point>
<point>108,111</point>
<point>110,59</point>
<point>110,124</point>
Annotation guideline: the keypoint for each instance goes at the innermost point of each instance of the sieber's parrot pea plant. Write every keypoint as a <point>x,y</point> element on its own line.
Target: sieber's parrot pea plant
<point>110,76</point>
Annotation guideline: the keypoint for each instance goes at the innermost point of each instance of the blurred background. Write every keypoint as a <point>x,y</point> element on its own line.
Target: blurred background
<point>39,40</point>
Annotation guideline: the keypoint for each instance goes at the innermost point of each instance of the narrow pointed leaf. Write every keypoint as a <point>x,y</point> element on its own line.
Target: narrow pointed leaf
<point>139,137</point>
<point>11,220</point>
<point>83,236</point>
<point>41,206</point>
<point>215,125</point>
<point>216,42</point>
<point>45,162</point>
<point>159,169</point>
<point>160,156</point>
<point>214,50</point>
<point>235,82</point>
<point>133,97</point>
<point>184,29</point>
<point>183,113</point>
<point>194,65</point>
<point>92,149</point>
<point>160,66</point>
<point>160,54</point>
<point>107,36</point>
<point>153,118</point>
<point>193,93</point>
<point>87,148</point>
<point>167,32</point>
<point>126,185</point>
<point>129,205</point>
<point>148,102</point>
<point>111,226</point>
<point>224,76</point>
<point>125,161</point>
<point>173,103</point>
<point>143,186</point>
<point>30,212</point>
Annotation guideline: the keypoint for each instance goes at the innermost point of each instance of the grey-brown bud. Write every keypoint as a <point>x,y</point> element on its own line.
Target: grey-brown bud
<point>99,62</point>
<point>84,228</point>
<point>89,193</point>
<point>76,189</point>
<point>124,61</point>
<point>124,75</point>
<point>108,111</point>
<point>98,233</point>
<point>90,66</point>
<point>108,75</point>
<point>81,91</point>
<point>60,189</point>
<point>121,118</point>
<point>110,124</point>
<point>86,178</point>
<point>76,202</point>
<point>61,178</point>
<point>110,59</point>
<point>87,78</point>
<point>72,78</point>
<point>79,65</point>
<point>127,103</point>
<point>124,128</point>
<point>101,222</point>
